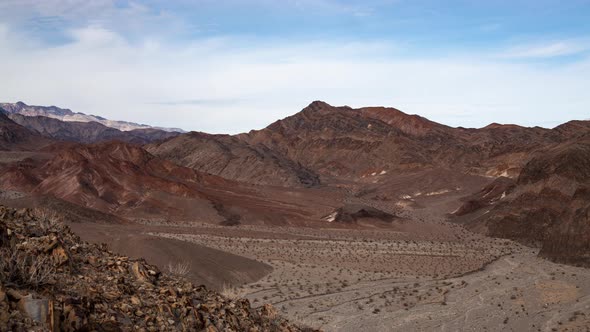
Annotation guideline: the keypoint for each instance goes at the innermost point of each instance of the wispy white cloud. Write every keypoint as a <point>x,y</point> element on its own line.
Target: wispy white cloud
<point>50,20</point>
<point>233,84</point>
<point>548,50</point>
<point>189,85</point>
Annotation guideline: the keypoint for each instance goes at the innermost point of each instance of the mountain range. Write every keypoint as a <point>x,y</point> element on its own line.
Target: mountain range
<point>521,183</point>
<point>67,115</point>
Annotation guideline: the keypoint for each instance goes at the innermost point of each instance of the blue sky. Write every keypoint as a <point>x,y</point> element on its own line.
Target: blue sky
<point>228,66</point>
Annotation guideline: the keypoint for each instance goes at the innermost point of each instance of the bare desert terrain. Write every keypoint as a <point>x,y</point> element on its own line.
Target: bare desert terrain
<point>377,281</point>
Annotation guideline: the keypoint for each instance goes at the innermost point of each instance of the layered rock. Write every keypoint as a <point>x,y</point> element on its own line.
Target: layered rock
<point>234,159</point>
<point>342,142</point>
<point>354,213</point>
<point>548,205</point>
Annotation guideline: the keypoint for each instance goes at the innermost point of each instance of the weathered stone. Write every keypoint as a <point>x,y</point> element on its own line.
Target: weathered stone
<point>96,290</point>
<point>135,301</point>
<point>269,311</point>
<point>60,256</point>
<point>142,274</point>
<point>14,295</point>
<point>74,320</point>
<point>36,309</point>
<point>4,308</point>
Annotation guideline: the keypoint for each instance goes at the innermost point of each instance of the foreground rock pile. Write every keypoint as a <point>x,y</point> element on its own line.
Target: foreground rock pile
<point>52,281</point>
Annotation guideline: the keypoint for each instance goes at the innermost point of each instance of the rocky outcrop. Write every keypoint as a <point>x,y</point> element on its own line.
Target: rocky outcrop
<point>489,195</point>
<point>52,281</point>
<point>354,213</point>
<point>548,206</point>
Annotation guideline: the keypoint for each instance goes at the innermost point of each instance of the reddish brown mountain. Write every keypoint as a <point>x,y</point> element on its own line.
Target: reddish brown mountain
<point>549,205</point>
<point>231,158</point>
<point>345,142</point>
<point>349,144</point>
<point>383,157</point>
<point>127,181</point>
<point>409,124</point>
<point>113,177</point>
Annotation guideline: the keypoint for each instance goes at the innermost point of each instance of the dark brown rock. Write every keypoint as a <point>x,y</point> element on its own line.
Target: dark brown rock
<point>548,206</point>
<point>113,294</point>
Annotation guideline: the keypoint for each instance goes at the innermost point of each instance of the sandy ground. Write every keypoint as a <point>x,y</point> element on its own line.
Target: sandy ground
<point>363,280</point>
<point>206,265</point>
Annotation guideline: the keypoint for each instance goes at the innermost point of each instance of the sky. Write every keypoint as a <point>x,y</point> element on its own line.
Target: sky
<point>229,66</point>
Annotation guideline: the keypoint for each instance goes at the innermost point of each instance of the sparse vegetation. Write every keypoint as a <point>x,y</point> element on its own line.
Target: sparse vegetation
<point>25,270</point>
<point>231,292</point>
<point>180,269</point>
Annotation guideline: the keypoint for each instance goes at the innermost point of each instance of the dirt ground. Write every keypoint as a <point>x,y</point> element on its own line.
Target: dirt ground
<point>205,265</point>
<point>372,281</point>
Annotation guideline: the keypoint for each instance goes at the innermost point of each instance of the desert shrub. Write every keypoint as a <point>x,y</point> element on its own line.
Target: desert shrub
<point>49,220</point>
<point>25,270</point>
<point>231,292</point>
<point>180,269</point>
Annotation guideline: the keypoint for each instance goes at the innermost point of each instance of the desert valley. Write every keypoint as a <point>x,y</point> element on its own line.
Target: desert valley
<point>332,219</point>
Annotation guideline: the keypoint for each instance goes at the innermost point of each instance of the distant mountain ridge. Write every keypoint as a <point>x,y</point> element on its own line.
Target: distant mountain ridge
<point>16,137</point>
<point>87,132</point>
<point>68,115</point>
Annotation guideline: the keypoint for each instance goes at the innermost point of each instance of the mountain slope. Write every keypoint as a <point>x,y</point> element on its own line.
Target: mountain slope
<point>15,137</point>
<point>87,132</point>
<point>349,143</point>
<point>548,206</point>
<point>233,159</point>
<point>345,144</point>
<point>129,182</point>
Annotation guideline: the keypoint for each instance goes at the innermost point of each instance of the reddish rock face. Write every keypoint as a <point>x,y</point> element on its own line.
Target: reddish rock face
<point>234,159</point>
<point>93,289</point>
<point>347,143</point>
<point>548,206</point>
<point>107,177</point>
